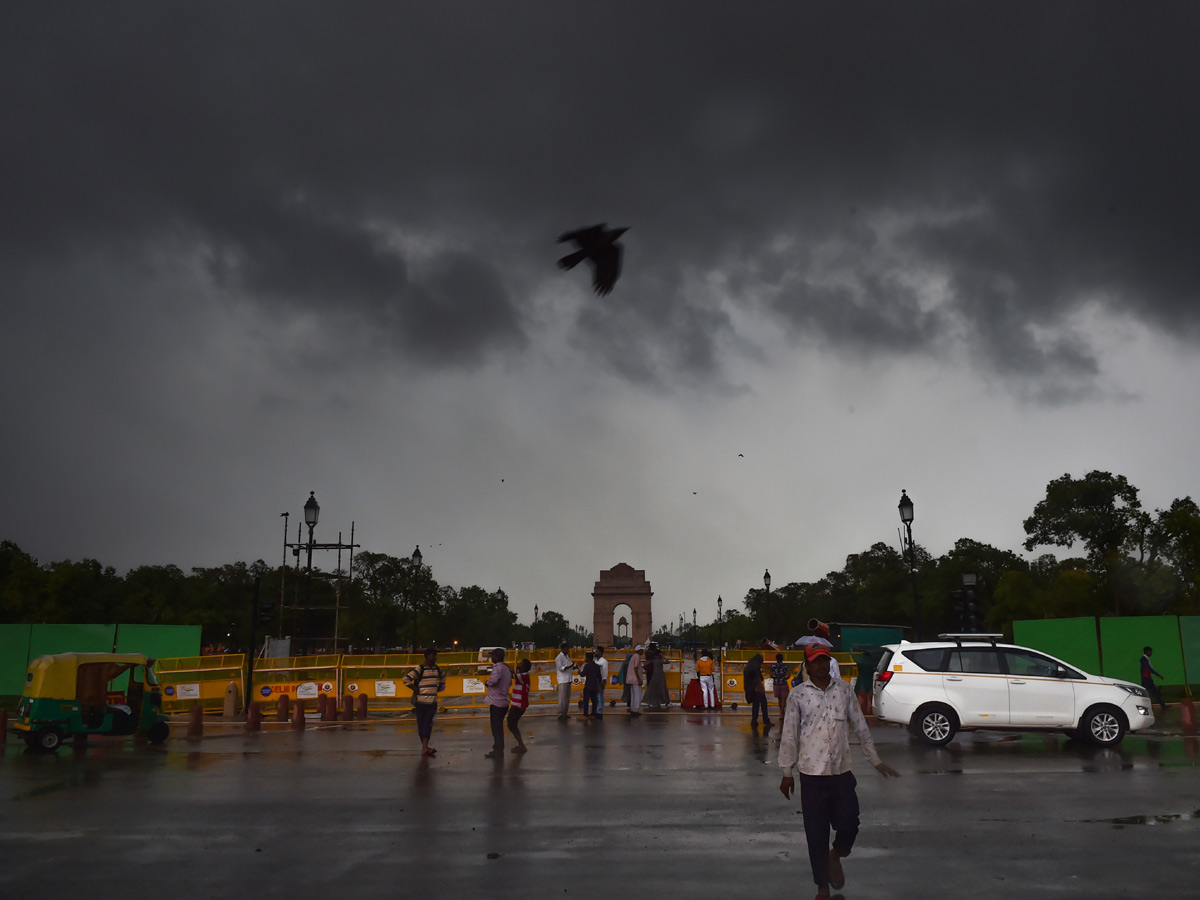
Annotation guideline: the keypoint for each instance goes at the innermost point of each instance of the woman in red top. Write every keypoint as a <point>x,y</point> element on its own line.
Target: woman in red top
<point>519,703</point>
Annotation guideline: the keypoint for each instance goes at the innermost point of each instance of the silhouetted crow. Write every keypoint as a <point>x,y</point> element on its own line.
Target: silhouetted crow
<point>599,245</point>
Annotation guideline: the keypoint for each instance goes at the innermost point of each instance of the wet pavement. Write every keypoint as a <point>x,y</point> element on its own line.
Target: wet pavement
<point>668,805</point>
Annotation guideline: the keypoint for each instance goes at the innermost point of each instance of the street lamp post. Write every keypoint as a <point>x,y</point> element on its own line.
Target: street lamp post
<point>767,604</point>
<point>693,624</point>
<point>412,606</point>
<point>906,516</point>
<point>720,622</point>
<point>312,512</point>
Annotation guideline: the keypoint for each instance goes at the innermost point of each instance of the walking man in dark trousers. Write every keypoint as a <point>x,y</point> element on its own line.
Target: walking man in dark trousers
<point>816,743</point>
<point>498,684</point>
<point>1148,672</point>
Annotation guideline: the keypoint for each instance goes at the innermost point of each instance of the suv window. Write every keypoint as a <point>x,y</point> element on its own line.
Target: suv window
<point>1026,662</point>
<point>885,661</point>
<point>979,660</point>
<point>931,660</point>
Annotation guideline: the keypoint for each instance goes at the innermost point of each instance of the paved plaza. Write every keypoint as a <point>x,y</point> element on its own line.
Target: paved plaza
<point>673,805</point>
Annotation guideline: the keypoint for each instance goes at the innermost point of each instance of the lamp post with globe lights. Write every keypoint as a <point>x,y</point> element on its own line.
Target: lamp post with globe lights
<point>906,517</point>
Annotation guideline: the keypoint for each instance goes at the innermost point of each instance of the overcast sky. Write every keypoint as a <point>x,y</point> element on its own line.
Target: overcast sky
<point>249,251</point>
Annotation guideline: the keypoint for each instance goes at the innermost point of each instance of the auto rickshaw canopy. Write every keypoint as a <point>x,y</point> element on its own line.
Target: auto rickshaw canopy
<point>56,676</point>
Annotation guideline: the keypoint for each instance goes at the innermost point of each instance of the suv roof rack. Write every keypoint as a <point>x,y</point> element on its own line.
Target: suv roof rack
<point>959,638</point>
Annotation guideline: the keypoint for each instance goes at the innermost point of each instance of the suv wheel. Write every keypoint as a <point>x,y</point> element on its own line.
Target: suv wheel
<point>935,724</point>
<point>1103,726</point>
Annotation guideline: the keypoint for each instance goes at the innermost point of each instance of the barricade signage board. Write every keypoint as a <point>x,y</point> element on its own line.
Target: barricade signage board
<point>297,677</point>
<point>188,680</point>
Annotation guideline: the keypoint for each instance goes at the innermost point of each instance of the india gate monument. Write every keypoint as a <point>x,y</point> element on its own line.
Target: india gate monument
<point>622,584</point>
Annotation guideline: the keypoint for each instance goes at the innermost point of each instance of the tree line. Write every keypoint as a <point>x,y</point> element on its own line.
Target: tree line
<point>1129,562</point>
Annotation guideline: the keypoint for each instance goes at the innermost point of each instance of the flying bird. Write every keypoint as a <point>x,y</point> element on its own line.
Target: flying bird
<point>597,244</point>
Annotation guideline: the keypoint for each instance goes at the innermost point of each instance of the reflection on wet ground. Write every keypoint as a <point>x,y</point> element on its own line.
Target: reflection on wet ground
<point>689,803</point>
<point>970,749</point>
<point>1148,820</point>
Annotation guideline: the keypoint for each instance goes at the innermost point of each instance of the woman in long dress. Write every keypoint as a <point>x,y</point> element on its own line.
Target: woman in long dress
<point>656,690</point>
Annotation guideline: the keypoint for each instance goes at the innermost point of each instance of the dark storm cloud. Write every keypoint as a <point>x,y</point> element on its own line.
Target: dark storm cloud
<point>884,178</point>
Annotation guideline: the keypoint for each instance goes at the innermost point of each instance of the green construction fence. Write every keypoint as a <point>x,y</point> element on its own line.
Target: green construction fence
<point>19,644</point>
<point>1111,646</point>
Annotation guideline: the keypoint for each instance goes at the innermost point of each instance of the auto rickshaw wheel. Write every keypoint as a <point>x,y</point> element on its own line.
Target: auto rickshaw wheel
<point>158,732</point>
<point>45,740</point>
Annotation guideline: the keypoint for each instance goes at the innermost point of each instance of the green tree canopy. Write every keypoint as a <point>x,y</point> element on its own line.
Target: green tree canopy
<point>1100,510</point>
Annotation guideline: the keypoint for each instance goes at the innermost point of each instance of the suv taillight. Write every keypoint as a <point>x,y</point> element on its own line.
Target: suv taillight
<point>883,677</point>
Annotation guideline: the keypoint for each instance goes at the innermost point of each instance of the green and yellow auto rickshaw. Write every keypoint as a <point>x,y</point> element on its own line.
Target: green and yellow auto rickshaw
<point>71,694</point>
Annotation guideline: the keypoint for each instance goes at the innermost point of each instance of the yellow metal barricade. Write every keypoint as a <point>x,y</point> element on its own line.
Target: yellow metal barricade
<point>188,680</point>
<point>380,677</point>
<point>673,670</point>
<point>298,677</point>
<point>733,665</point>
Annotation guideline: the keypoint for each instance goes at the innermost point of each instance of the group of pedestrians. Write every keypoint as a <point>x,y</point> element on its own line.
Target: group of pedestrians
<point>818,710</point>
<point>508,690</point>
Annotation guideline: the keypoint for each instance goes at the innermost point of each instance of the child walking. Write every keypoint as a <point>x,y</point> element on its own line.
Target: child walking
<point>520,703</point>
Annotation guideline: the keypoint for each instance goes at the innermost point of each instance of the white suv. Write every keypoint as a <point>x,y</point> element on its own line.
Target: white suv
<point>969,681</point>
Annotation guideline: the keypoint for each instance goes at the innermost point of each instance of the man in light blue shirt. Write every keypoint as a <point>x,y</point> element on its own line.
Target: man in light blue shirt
<point>498,684</point>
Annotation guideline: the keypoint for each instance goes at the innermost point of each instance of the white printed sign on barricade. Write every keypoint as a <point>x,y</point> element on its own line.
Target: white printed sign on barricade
<point>474,686</point>
<point>307,691</point>
<point>385,689</point>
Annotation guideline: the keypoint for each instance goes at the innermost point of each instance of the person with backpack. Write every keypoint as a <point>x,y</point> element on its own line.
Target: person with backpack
<point>426,681</point>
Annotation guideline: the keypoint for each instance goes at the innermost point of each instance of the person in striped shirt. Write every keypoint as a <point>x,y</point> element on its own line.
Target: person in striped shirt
<point>520,702</point>
<point>426,681</point>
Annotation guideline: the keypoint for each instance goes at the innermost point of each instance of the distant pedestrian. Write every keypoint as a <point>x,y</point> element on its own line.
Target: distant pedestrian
<point>753,686</point>
<point>520,702</point>
<point>603,664</point>
<point>564,669</point>
<point>704,671</point>
<point>1148,673</point>
<point>780,673</point>
<point>426,681</point>
<point>498,684</point>
<point>657,696</point>
<point>806,641</point>
<point>592,675</point>
<point>635,677</point>
<point>815,742</point>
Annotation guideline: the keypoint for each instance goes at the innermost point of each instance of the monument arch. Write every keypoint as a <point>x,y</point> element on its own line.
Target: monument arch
<point>621,585</point>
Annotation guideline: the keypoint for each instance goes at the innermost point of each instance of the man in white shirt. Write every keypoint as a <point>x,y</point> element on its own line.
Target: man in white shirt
<point>603,664</point>
<point>635,677</point>
<point>564,669</point>
<point>815,741</point>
